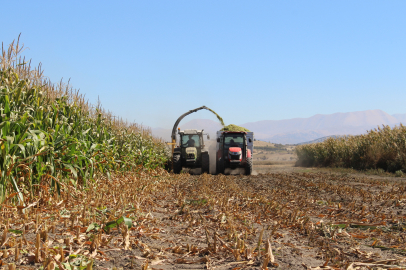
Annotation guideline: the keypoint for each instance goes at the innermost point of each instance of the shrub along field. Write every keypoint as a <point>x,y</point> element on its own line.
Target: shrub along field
<point>50,134</point>
<point>383,148</point>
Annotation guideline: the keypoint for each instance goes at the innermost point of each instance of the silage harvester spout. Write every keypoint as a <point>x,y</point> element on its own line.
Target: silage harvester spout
<point>173,135</point>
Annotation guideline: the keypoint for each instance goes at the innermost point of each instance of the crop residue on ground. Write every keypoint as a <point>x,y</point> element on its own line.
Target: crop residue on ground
<point>164,221</point>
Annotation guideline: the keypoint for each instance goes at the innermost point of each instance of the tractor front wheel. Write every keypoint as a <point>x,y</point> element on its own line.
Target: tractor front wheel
<point>177,163</point>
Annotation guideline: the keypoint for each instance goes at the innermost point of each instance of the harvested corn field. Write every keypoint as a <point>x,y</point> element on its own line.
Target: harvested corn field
<point>156,220</point>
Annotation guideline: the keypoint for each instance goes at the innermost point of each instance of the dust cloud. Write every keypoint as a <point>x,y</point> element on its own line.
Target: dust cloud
<point>211,146</point>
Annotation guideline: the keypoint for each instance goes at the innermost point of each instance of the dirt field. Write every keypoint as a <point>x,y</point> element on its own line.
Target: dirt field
<point>291,218</point>
<point>265,153</point>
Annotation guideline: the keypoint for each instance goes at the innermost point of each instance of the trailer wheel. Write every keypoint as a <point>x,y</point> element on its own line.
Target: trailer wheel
<point>177,163</point>
<point>205,163</point>
<point>248,166</point>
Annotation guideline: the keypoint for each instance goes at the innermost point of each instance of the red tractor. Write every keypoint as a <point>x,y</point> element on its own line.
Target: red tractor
<point>234,150</point>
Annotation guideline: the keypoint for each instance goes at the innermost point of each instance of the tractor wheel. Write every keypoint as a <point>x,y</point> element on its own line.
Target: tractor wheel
<point>220,166</point>
<point>177,163</point>
<point>205,163</point>
<point>248,166</point>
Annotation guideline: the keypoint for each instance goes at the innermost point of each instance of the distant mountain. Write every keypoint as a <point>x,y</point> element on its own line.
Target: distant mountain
<point>209,126</point>
<point>322,139</point>
<point>162,133</point>
<point>400,117</point>
<point>294,137</point>
<point>298,130</point>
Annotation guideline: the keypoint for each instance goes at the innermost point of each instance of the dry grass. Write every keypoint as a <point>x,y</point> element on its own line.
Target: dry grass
<point>159,220</point>
<point>263,144</point>
<point>382,148</point>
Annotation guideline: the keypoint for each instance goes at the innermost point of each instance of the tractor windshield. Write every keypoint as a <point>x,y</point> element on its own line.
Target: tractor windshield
<point>190,140</point>
<point>234,140</point>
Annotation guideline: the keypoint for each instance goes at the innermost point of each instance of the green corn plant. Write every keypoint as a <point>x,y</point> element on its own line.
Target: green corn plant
<point>383,147</point>
<point>50,133</point>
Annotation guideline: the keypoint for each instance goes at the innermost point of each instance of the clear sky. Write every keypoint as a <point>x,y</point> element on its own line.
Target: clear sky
<point>151,61</point>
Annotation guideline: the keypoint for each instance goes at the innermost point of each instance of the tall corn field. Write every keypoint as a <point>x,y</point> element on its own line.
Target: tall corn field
<point>49,132</point>
<point>383,147</point>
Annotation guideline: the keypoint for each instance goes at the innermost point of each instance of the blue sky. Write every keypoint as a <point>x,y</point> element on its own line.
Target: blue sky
<point>151,61</point>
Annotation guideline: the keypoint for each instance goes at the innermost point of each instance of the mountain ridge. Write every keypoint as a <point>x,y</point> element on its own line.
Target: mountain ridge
<point>298,130</point>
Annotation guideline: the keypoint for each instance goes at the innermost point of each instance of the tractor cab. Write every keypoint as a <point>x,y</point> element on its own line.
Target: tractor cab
<point>234,145</point>
<point>234,150</point>
<point>191,144</point>
<point>191,151</point>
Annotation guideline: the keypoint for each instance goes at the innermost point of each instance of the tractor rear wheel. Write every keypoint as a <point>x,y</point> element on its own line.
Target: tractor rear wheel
<point>205,163</point>
<point>248,166</point>
<point>177,163</point>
